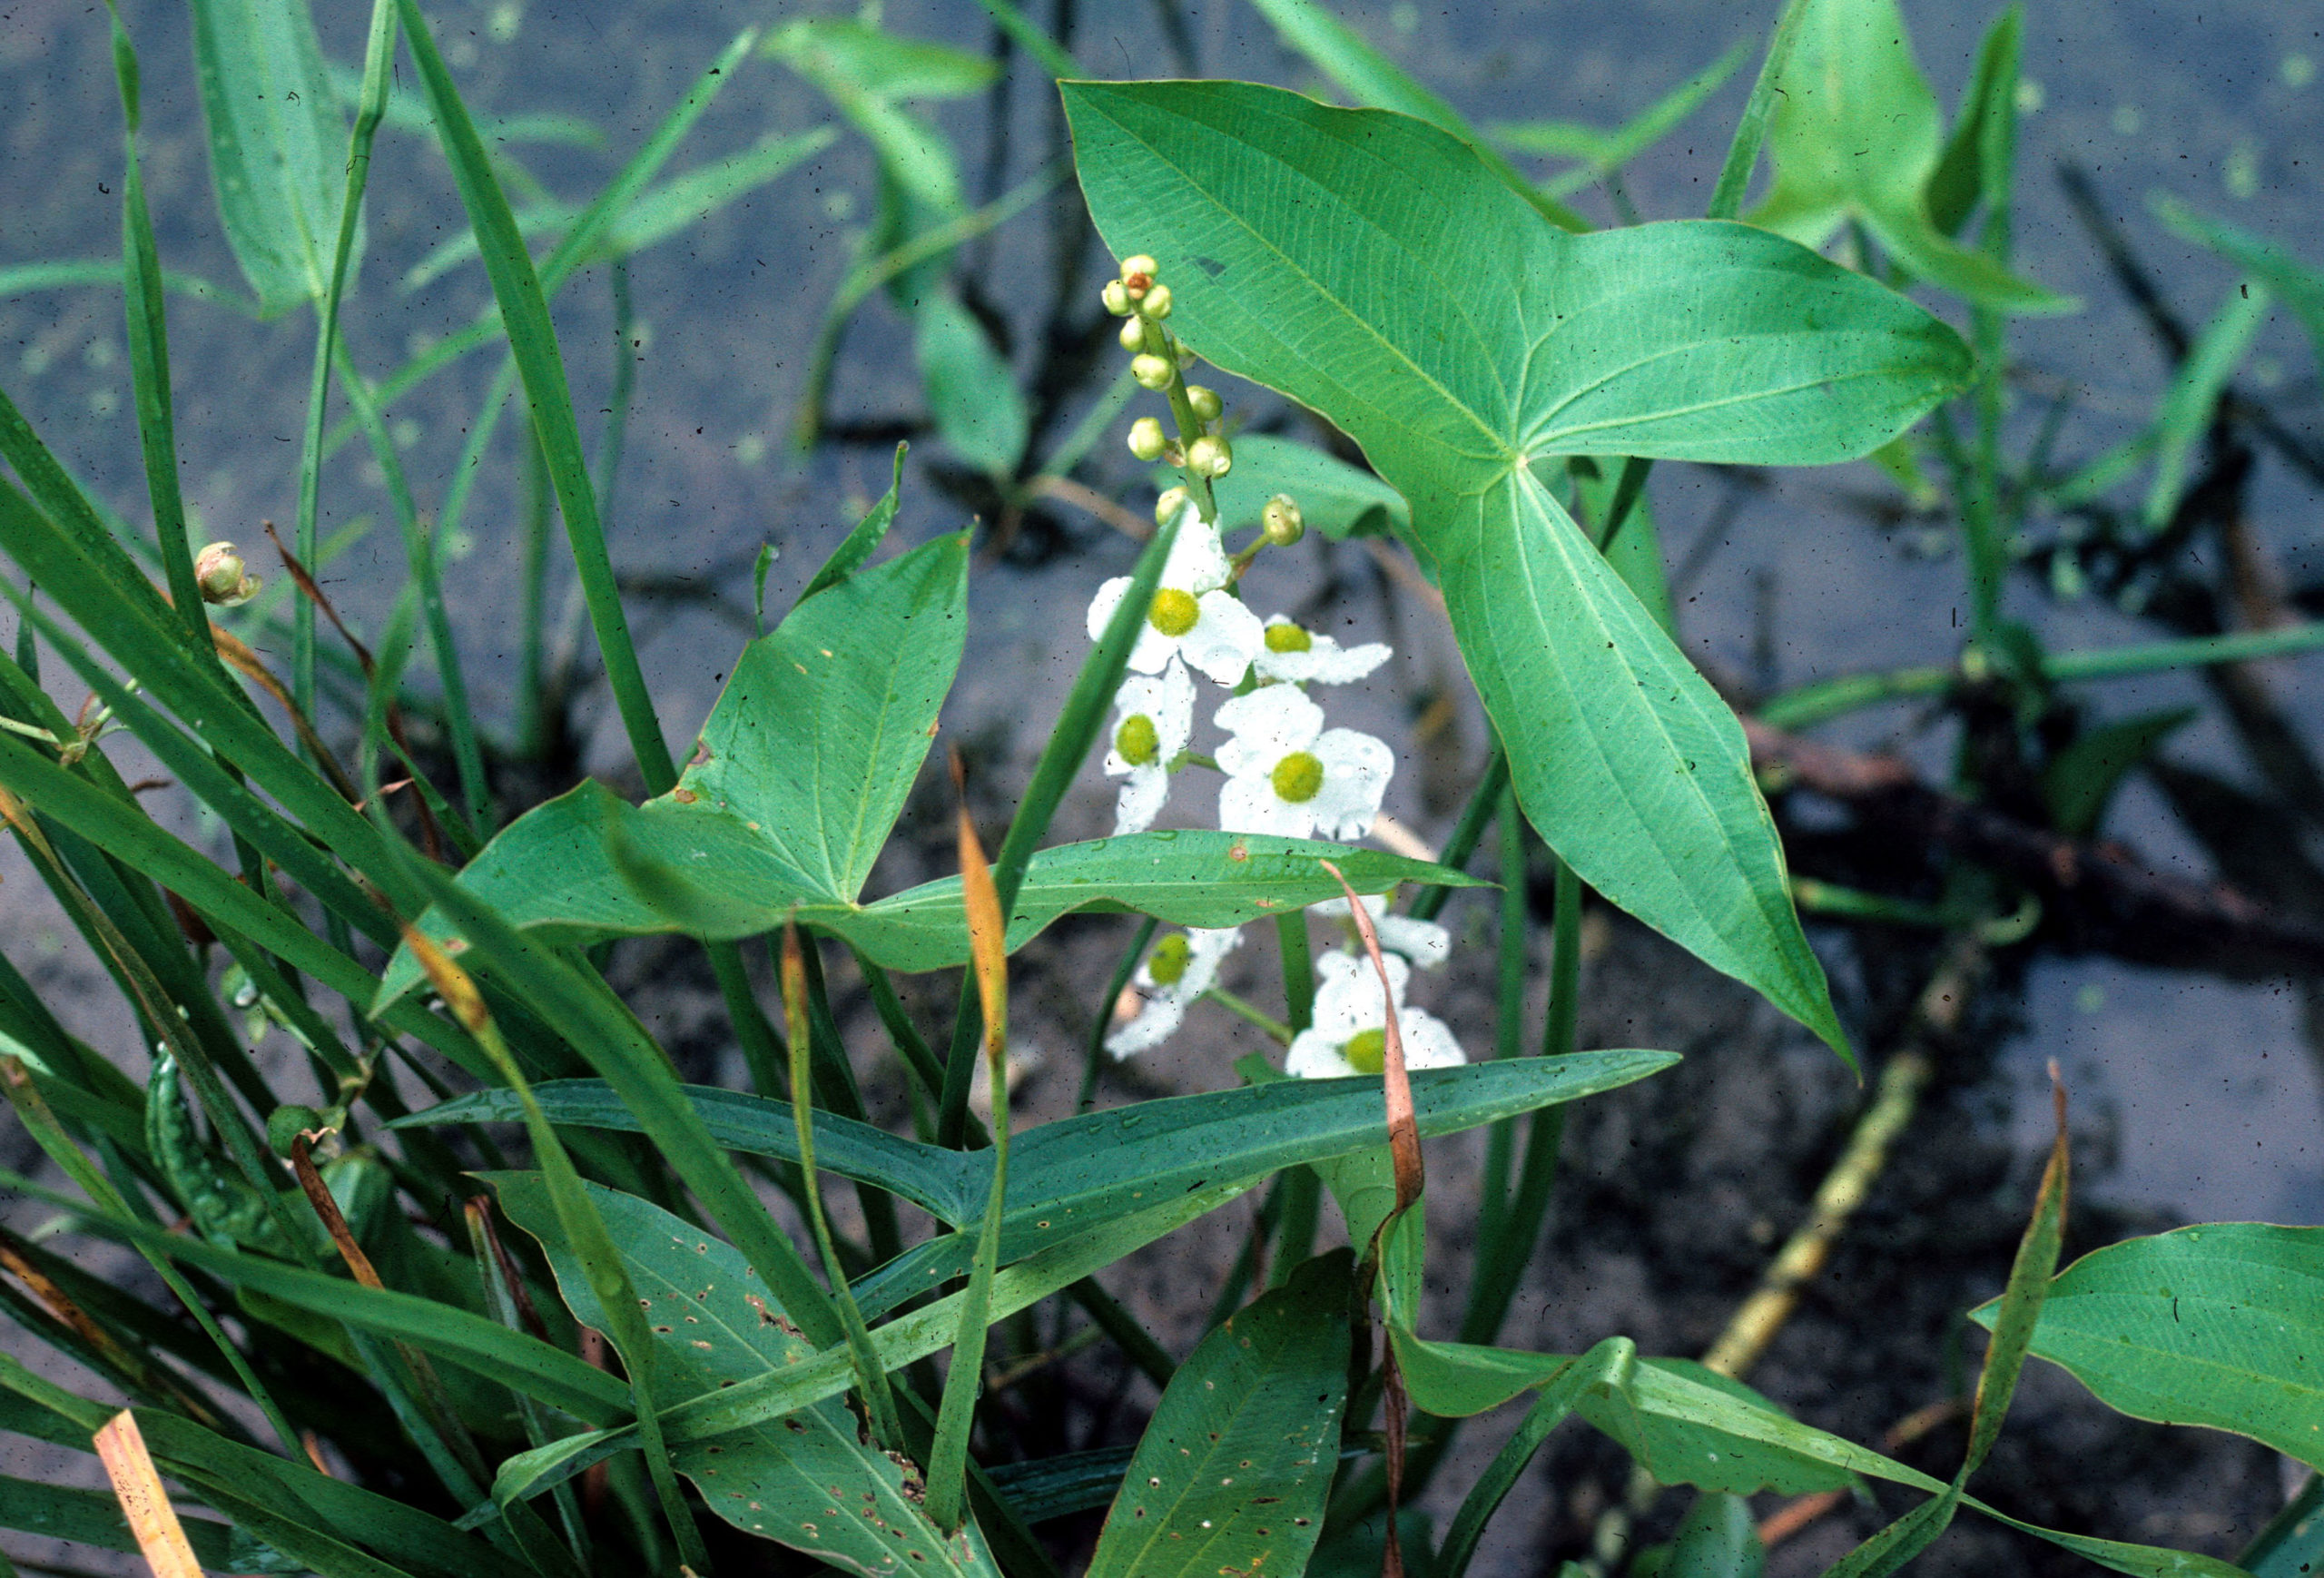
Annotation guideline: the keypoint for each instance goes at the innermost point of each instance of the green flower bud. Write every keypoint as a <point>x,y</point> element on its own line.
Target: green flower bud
<point>1147,440</point>
<point>219,571</point>
<point>1133,334</point>
<point>285,1124</point>
<point>1282,522</point>
<point>1209,456</point>
<point>1167,508</point>
<point>1205,401</point>
<point>1153,371</point>
<point>1156,304</point>
<point>1117,299</point>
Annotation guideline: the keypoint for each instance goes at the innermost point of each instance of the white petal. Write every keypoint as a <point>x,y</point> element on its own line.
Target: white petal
<point>1428,1042</point>
<point>1356,770</point>
<point>1314,1056</point>
<point>1208,947</point>
<point>1141,799</point>
<point>1250,805</point>
<point>1224,638</point>
<point>1155,1024</point>
<point>1348,998</point>
<point>1198,561</point>
<point>1101,606</point>
<point>1140,694</point>
<point>1153,649</point>
<point>1276,719</point>
<point>1425,942</point>
<point>1174,713</point>
<point>1325,661</point>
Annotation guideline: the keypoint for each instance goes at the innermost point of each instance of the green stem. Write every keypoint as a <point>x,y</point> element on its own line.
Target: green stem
<point>1298,971</point>
<point>1103,1020</point>
<point>1484,801</point>
<point>1302,1198</point>
<point>1251,1013</point>
<point>1508,1017</point>
<point>1827,699</point>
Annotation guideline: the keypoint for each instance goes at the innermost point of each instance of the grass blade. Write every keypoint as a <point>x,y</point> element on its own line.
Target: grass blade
<point>1751,131</point>
<point>532,340</point>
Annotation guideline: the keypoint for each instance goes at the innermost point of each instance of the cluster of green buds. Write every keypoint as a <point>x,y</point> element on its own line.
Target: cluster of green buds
<point>1158,362</point>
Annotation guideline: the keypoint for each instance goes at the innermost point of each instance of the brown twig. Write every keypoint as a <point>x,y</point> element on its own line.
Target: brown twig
<point>1066,491</point>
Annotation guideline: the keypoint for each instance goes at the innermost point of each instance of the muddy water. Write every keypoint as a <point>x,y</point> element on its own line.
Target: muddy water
<point>2195,1098</point>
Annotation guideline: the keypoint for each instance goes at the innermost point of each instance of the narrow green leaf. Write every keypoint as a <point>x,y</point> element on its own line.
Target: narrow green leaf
<point>277,142</point>
<point>1900,1541</point>
<point>1342,53</point>
<point>532,340</point>
<point>2192,399</point>
<point>2220,1325</point>
<point>1959,178</point>
<point>700,869</point>
<point>1603,154</point>
<point>1356,289</point>
<point>1751,128</point>
<point>1233,1470</point>
<point>2301,285</point>
<point>105,273</point>
<point>1097,1167</point>
<point>92,1517</point>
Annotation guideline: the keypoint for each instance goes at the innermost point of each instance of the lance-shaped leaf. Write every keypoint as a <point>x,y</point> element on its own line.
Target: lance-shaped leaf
<point>587,867</point>
<point>806,1480</point>
<point>1368,265</point>
<point>2219,1325</point>
<point>1078,1173</point>
<point>1231,1471</point>
<point>277,144</point>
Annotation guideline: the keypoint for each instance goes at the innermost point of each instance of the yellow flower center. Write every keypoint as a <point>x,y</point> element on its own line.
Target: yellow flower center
<point>1168,963</point>
<point>1136,740</point>
<point>1297,778</point>
<point>1174,612</point>
<point>1366,1051</point>
<point>1289,638</point>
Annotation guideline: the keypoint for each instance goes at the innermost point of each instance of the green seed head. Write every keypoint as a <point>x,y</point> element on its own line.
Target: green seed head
<point>1167,965</point>
<point>1209,456</point>
<point>1133,334</point>
<point>1147,440</point>
<point>224,580</point>
<point>1156,304</point>
<point>1205,401</point>
<point>1289,638</point>
<point>1366,1051</point>
<point>1152,372</point>
<point>1136,740</point>
<point>1174,612</point>
<point>1297,778</point>
<point>1117,299</point>
<point>1282,521</point>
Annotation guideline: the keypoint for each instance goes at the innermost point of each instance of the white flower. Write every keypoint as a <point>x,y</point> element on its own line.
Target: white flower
<point>1192,616</point>
<point>1350,1033</point>
<point>1152,721</point>
<point>1287,775</point>
<point>1179,970</point>
<point>1425,942</point>
<point>1291,653</point>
